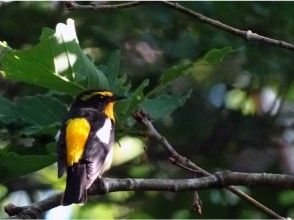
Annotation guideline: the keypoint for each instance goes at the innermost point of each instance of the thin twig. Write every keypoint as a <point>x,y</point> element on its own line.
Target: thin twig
<point>144,118</point>
<point>107,185</point>
<point>183,166</point>
<point>71,5</point>
<point>247,35</point>
<point>197,203</point>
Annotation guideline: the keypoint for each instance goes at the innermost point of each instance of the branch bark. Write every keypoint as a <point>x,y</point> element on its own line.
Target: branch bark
<point>209,181</point>
<point>71,5</point>
<point>107,185</point>
<point>247,35</point>
<point>185,163</point>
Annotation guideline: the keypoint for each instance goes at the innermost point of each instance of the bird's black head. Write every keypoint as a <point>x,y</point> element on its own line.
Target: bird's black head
<point>101,100</point>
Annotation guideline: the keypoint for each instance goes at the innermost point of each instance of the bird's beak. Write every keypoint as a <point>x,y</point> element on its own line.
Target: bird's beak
<point>118,97</point>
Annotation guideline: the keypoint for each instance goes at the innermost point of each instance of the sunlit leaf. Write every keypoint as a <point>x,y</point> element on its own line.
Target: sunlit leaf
<point>127,149</point>
<point>36,66</point>
<point>164,105</point>
<point>215,56</point>
<point>172,73</point>
<point>56,62</point>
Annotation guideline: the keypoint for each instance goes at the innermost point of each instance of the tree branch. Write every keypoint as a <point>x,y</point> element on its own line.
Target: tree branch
<point>107,185</point>
<point>185,163</point>
<point>209,181</point>
<point>71,5</point>
<point>247,35</point>
<point>33,211</point>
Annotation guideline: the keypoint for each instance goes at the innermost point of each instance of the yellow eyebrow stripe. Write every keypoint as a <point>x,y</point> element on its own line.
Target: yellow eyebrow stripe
<point>105,93</point>
<point>76,135</point>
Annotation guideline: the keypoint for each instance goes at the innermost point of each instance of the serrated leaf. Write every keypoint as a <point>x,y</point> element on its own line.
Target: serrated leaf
<point>37,110</point>
<point>170,75</point>
<point>36,66</point>
<point>131,103</point>
<point>72,61</point>
<point>14,165</point>
<point>56,62</point>
<point>118,83</point>
<point>174,72</point>
<point>164,105</point>
<point>215,56</point>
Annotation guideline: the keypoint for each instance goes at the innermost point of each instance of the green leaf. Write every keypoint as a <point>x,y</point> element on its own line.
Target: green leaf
<point>174,72</point>
<point>71,61</point>
<point>117,83</point>
<point>215,56</point>
<point>212,57</point>
<point>287,198</point>
<point>8,111</point>
<point>37,110</point>
<point>137,97</point>
<point>41,110</point>
<point>164,105</point>
<point>36,66</point>
<point>113,69</point>
<point>52,147</point>
<point>132,102</point>
<point>56,62</point>
<point>14,165</point>
<point>50,129</point>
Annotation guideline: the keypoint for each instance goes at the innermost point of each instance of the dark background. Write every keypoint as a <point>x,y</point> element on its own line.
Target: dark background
<point>234,119</point>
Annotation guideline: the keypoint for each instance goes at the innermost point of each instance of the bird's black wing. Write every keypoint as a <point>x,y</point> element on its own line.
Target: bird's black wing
<point>98,152</point>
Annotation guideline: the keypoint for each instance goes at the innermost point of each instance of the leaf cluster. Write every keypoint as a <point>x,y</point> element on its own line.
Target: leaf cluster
<point>59,64</point>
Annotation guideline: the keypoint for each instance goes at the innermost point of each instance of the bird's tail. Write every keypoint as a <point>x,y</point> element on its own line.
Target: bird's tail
<point>75,191</point>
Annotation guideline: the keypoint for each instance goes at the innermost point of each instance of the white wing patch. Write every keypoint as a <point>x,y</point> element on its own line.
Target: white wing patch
<point>104,132</point>
<point>57,135</point>
<point>108,160</point>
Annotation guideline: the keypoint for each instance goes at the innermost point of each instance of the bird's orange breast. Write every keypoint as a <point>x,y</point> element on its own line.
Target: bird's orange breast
<point>109,110</point>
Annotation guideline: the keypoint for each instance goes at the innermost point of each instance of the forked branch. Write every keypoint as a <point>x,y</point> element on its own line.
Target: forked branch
<point>107,185</point>
<point>187,164</point>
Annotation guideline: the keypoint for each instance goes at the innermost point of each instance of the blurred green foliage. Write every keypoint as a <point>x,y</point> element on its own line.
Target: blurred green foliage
<point>156,56</point>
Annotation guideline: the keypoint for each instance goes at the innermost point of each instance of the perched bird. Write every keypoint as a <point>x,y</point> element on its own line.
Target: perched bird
<point>84,142</point>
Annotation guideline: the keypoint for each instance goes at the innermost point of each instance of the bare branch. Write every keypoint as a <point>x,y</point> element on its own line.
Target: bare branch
<point>106,185</point>
<point>33,210</point>
<point>247,35</point>
<point>71,5</point>
<point>185,163</point>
